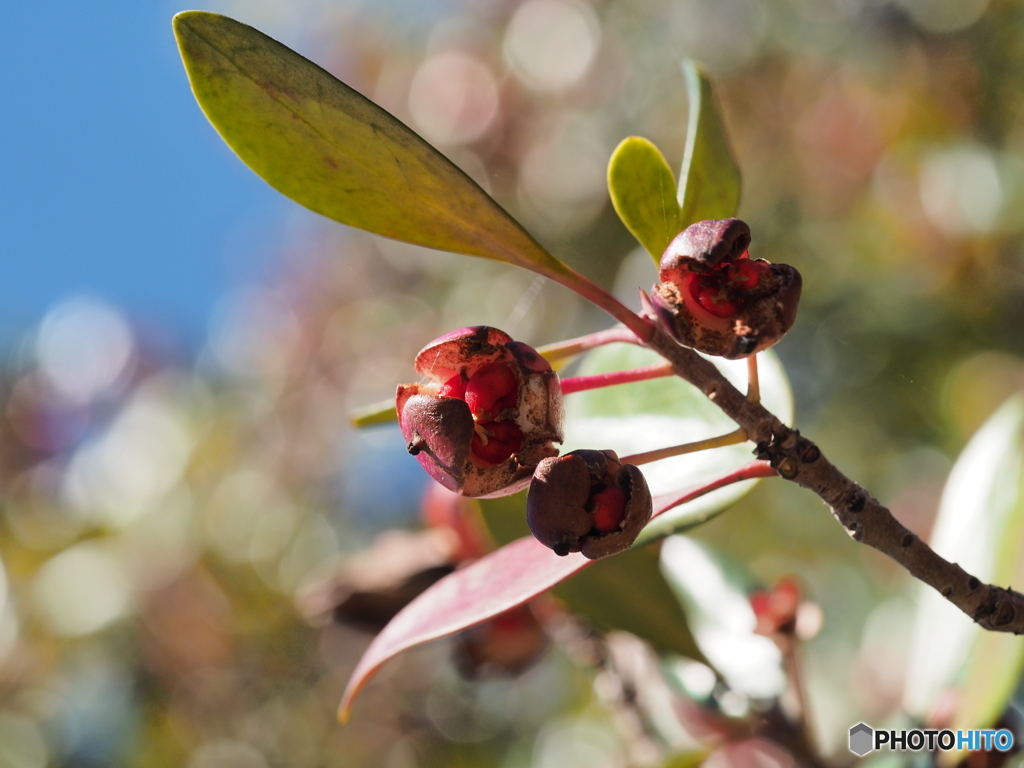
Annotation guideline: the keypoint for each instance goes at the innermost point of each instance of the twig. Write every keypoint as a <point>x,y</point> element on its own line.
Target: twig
<point>866,520</point>
<point>753,380</point>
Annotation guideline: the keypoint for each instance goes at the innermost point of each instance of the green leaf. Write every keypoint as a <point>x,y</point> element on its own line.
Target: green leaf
<point>980,525</point>
<point>714,590</point>
<point>644,415</point>
<point>642,188</point>
<point>606,592</point>
<point>709,182</point>
<point>327,147</point>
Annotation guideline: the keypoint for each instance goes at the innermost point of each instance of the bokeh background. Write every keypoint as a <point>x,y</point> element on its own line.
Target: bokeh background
<point>180,348</point>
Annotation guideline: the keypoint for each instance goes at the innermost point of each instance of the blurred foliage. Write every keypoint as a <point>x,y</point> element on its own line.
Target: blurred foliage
<point>170,518</point>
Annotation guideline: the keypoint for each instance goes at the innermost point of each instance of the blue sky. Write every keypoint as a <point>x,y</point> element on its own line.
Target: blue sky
<point>113,184</point>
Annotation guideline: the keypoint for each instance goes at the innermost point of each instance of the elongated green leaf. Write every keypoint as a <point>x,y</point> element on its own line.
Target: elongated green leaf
<point>709,182</point>
<point>643,191</point>
<point>606,593</point>
<point>325,146</point>
<point>638,417</point>
<point>980,526</point>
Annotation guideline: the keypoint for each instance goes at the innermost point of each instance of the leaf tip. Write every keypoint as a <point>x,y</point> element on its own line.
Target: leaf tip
<point>344,711</point>
<point>182,20</point>
<point>355,685</point>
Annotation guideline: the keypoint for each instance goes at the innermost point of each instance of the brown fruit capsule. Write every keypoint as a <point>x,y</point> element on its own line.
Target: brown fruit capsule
<point>715,298</point>
<point>491,410</point>
<point>589,502</point>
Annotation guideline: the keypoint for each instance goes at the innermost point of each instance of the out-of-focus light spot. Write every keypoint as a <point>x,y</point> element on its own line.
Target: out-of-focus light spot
<point>721,34</point>
<point>313,547</point>
<point>21,743</point>
<point>81,590</point>
<point>809,620</point>
<point>577,743</point>
<point>139,459</point>
<point>698,679</point>
<point>235,508</point>
<point>453,98</point>
<point>551,44</point>
<point>960,190</point>
<point>563,182</point>
<point>272,532</point>
<point>944,15</point>
<point>254,334</point>
<point>156,547</point>
<point>733,703</point>
<point>84,348</point>
<point>459,714</point>
<point>227,753</point>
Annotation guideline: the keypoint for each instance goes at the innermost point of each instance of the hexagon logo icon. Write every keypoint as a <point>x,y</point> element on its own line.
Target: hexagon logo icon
<point>861,739</point>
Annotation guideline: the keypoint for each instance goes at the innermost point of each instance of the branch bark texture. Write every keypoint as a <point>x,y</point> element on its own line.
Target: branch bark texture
<point>799,460</point>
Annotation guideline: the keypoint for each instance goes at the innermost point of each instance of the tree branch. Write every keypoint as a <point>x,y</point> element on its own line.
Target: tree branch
<point>866,520</point>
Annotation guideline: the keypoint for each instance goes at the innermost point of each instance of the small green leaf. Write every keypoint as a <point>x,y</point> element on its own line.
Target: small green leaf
<point>980,526</point>
<point>644,415</point>
<point>709,182</point>
<point>643,189</point>
<point>606,592</point>
<point>327,147</point>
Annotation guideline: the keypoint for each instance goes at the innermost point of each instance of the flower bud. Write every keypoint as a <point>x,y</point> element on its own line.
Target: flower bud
<point>491,410</point>
<point>589,502</point>
<point>715,298</point>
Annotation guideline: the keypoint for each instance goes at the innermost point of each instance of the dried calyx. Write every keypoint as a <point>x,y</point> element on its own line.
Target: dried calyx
<point>490,412</point>
<point>715,298</point>
<point>589,502</point>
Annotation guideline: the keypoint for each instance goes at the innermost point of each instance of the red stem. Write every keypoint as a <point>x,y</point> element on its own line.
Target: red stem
<point>572,347</point>
<point>751,471</point>
<point>583,383</point>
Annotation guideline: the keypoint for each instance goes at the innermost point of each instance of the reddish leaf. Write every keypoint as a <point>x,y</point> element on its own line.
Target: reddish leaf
<point>502,580</point>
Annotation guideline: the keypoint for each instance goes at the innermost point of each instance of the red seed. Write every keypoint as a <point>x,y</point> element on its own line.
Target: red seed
<point>454,387</point>
<point>709,294</point>
<point>608,507</point>
<point>491,390</point>
<point>496,441</point>
<point>746,274</point>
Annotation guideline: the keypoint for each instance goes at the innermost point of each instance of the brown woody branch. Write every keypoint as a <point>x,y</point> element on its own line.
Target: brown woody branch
<point>798,459</point>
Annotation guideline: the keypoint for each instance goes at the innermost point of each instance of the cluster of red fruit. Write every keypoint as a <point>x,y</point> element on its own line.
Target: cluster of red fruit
<point>486,422</point>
